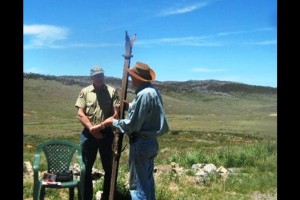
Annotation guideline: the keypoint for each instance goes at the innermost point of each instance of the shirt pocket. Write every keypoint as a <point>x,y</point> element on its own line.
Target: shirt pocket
<point>90,108</point>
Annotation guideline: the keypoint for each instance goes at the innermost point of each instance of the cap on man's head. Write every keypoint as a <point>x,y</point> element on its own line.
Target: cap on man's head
<point>96,70</point>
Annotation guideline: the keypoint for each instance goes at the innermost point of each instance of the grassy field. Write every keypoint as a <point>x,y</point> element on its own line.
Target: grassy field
<point>230,130</point>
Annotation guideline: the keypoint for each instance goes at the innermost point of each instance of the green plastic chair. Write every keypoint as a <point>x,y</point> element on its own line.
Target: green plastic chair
<point>59,154</point>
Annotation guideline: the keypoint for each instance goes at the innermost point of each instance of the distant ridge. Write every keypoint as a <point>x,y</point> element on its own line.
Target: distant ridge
<point>191,86</point>
<point>215,86</point>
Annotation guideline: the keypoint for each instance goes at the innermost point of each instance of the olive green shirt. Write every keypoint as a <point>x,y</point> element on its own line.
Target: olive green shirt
<point>98,105</point>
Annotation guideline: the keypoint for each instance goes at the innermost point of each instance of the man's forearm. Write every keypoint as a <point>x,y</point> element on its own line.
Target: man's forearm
<point>85,121</point>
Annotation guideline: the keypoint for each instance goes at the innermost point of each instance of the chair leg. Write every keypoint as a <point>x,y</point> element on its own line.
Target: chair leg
<point>42,195</point>
<point>71,193</point>
<point>36,191</point>
<point>79,194</point>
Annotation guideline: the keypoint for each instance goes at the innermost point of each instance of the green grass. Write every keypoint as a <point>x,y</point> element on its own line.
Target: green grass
<point>231,131</point>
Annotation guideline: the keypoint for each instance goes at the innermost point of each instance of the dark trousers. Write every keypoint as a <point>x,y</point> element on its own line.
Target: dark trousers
<point>90,147</point>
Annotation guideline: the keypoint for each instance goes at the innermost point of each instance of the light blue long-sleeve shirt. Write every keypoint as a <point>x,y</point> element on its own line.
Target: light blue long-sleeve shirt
<point>145,117</point>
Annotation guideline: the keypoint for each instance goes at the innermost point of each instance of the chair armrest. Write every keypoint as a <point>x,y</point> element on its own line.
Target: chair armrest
<point>36,164</point>
<point>82,172</point>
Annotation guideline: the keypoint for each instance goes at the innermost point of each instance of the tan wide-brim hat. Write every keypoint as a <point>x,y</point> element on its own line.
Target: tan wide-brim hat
<point>142,72</point>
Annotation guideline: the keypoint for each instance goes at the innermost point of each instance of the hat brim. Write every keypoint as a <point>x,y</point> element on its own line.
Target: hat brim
<point>136,76</point>
<point>96,73</point>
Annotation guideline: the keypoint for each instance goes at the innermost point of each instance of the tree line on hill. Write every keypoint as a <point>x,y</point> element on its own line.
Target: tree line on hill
<point>191,86</point>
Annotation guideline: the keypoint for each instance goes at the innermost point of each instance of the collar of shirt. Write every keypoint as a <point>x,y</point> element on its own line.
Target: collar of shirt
<point>143,86</point>
<point>101,88</point>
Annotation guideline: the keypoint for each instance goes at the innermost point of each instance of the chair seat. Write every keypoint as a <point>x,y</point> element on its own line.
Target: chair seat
<point>67,184</point>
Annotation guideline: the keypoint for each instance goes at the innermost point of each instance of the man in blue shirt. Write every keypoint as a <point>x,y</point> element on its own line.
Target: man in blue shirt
<point>145,121</point>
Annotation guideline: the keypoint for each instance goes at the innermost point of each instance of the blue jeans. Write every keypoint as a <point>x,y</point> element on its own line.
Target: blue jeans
<point>90,147</point>
<point>141,166</point>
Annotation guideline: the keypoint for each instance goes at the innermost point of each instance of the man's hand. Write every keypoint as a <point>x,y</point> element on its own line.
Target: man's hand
<point>125,104</point>
<point>116,111</point>
<point>108,121</point>
<point>95,131</point>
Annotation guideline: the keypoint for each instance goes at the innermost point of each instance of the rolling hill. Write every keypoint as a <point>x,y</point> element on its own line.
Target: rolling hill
<point>207,106</point>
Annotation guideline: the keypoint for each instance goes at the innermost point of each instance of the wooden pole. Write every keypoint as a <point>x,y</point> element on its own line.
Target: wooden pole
<point>118,138</point>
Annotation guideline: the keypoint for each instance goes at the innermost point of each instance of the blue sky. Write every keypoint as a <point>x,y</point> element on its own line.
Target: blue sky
<point>229,40</point>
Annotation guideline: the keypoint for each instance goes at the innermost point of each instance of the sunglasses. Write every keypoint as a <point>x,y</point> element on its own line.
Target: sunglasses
<point>98,76</point>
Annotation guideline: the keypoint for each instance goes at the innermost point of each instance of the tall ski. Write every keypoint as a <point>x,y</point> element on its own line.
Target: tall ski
<point>118,139</point>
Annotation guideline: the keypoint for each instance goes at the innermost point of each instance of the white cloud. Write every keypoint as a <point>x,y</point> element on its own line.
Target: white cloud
<point>183,9</point>
<point>182,41</point>
<point>40,35</point>
<point>230,33</point>
<point>208,40</point>
<point>266,42</point>
<point>200,69</point>
<point>46,36</point>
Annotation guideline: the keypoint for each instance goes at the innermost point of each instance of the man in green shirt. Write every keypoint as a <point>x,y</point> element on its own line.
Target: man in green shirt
<point>96,103</point>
